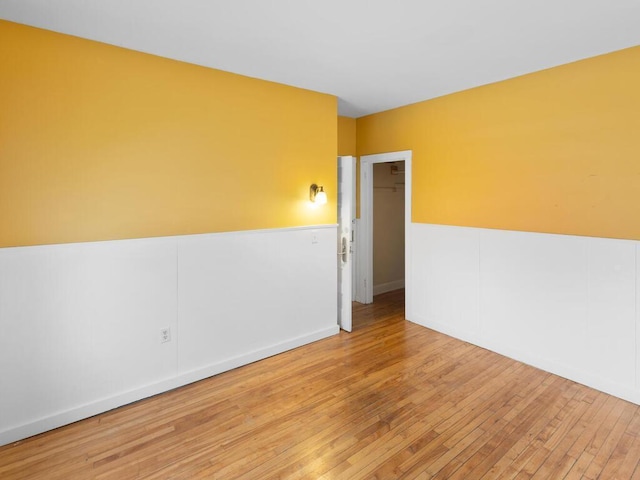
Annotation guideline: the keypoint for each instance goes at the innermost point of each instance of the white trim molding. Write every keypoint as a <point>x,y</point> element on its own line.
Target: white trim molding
<point>365,252</point>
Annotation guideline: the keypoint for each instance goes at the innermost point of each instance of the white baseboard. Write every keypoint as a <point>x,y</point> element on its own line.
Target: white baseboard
<point>85,411</point>
<point>388,287</point>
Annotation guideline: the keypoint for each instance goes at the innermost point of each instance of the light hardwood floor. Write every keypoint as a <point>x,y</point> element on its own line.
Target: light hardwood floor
<point>390,400</point>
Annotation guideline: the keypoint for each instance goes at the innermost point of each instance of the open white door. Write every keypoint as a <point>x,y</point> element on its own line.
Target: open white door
<point>346,220</point>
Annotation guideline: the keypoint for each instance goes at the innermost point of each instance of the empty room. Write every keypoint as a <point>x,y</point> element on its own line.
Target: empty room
<point>354,239</point>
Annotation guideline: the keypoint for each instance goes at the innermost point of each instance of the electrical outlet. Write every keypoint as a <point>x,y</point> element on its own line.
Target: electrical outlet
<point>165,335</point>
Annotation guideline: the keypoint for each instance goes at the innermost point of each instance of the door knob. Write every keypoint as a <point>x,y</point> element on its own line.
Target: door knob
<point>343,249</point>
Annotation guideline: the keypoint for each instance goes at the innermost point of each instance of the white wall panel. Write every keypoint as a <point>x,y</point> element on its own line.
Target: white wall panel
<point>610,347</point>
<point>534,292</point>
<point>637,349</point>
<point>245,292</point>
<point>446,281</point>
<point>81,323</point>
<point>566,304</point>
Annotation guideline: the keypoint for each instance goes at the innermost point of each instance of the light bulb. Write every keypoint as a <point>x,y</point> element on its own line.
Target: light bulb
<point>321,197</point>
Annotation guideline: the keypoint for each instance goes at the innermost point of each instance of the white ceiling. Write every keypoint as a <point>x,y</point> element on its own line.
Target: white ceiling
<point>372,54</point>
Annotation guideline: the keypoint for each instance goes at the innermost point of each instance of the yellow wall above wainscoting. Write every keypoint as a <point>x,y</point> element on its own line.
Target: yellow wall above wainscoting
<point>554,151</point>
<point>98,142</point>
<point>346,136</point>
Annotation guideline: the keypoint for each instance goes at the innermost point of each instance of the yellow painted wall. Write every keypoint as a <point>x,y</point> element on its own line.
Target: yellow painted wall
<point>346,136</point>
<point>99,142</point>
<point>554,151</point>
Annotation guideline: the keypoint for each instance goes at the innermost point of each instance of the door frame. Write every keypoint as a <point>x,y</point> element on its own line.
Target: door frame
<point>364,252</point>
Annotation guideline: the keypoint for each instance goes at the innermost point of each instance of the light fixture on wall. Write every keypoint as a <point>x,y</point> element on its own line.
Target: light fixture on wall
<point>317,194</point>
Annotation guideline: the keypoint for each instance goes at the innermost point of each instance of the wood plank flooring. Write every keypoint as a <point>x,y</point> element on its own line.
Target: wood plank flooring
<point>391,400</point>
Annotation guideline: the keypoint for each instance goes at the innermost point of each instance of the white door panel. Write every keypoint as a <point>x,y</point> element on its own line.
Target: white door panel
<point>346,221</point>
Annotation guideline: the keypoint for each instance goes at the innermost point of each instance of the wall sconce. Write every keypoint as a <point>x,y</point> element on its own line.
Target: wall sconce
<point>317,194</point>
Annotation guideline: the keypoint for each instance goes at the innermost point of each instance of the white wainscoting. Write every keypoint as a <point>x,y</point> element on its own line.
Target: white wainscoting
<point>254,291</point>
<point>80,323</point>
<point>566,304</point>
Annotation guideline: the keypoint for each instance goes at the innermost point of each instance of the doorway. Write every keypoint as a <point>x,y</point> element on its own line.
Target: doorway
<point>388,227</point>
<point>364,252</point>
